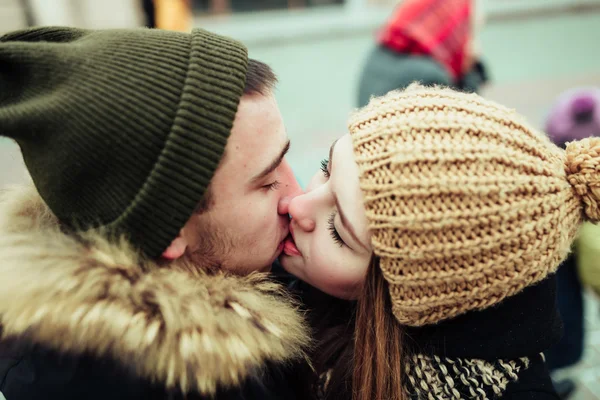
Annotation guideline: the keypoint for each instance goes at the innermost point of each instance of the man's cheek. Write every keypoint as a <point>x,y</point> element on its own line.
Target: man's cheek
<point>260,217</point>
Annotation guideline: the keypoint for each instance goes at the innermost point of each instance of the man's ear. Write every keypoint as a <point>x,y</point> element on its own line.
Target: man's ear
<point>176,249</point>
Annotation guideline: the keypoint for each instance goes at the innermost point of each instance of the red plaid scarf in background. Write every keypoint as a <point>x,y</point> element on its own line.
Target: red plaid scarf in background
<point>440,29</point>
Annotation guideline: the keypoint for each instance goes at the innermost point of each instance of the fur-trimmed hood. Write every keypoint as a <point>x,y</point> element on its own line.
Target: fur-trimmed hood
<point>176,325</point>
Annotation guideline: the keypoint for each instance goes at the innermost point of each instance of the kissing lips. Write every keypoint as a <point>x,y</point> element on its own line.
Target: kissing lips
<point>289,247</point>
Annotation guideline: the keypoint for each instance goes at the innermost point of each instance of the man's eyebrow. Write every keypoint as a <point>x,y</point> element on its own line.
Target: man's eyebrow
<point>274,164</point>
<point>347,225</point>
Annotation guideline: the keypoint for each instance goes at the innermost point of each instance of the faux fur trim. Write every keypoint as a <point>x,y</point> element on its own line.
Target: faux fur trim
<point>176,325</point>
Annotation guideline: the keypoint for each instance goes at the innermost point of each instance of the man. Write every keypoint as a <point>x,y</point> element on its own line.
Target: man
<point>158,160</point>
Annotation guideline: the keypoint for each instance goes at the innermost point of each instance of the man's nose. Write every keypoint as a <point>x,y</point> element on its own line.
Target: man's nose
<point>300,209</point>
<point>283,208</point>
<point>292,189</point>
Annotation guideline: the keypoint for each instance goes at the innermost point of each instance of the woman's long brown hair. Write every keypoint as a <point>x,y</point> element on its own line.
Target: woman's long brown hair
<point>361,344</point>
<point>378,343</point>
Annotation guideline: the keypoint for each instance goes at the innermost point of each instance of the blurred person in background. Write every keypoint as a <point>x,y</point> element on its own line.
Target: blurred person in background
<point>149,13</point>
<point>131,265</point>
<point>434,42</point>
<point>574,116</point>
<point>173,15</point>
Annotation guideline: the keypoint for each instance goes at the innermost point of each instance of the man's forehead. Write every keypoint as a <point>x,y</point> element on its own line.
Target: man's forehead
<point>257,121</point>
<point>257,137</point>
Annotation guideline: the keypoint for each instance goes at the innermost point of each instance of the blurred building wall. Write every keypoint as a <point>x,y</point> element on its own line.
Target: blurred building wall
<point>88,13</point>
<point>13,15</point>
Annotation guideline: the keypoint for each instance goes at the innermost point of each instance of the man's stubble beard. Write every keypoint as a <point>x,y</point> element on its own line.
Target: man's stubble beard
<point>213,246</point>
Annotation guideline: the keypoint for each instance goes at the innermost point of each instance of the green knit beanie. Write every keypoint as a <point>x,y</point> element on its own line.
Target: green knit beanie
<point>121,129</point>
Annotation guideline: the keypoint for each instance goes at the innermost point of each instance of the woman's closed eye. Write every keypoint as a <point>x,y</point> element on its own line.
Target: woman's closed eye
<point>334,233</point>
<point>325,167</point>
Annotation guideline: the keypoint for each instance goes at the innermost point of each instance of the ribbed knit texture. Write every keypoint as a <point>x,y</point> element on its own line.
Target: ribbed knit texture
<point>466,203</point>
<point>121,129</point>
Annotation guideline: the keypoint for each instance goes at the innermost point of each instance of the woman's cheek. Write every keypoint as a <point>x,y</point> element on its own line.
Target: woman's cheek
<point>317,263</point>
<point>327,268</point>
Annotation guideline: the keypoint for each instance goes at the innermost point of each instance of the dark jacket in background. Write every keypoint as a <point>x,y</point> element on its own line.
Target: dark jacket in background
<point>569,350</point>
<point>386,70</point>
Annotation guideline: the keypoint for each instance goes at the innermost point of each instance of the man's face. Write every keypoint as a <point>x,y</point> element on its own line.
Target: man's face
<point>243,229</point>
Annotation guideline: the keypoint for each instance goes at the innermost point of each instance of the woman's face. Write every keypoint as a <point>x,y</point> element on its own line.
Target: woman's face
<point>330,245</point>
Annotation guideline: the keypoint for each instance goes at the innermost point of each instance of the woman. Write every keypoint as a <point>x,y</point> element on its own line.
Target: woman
<point>443,217</point>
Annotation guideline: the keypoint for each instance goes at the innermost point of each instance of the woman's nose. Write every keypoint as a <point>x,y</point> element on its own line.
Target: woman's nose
<point>301,210</point>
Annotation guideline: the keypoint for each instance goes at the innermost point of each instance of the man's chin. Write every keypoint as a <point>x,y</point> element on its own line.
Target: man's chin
<point>267,268</point>
<point>269,265</point>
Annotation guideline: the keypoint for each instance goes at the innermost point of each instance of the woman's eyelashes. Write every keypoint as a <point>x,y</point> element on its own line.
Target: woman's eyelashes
<point>331,225</point>
<point>334,233</point>
<point>324,167</point>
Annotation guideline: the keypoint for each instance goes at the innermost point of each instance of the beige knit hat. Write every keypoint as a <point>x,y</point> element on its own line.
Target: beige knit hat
<point>467,204</point>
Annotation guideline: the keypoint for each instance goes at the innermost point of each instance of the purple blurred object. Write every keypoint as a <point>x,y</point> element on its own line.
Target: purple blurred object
<point>574,116</point>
